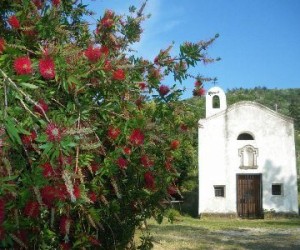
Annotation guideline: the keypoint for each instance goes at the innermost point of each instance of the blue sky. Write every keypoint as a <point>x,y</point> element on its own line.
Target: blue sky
<point>259,41</point>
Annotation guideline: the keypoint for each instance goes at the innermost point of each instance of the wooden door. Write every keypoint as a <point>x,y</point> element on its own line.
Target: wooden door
<point>249,196</point>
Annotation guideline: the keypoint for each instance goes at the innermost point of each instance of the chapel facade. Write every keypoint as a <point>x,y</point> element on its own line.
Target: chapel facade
<point>247,162</point>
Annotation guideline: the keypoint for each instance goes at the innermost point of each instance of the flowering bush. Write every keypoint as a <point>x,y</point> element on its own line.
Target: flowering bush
<point>90,140</point>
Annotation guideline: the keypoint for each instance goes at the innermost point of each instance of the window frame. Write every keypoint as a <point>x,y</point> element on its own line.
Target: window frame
<point>223,191</point>
<point>273,191</point>
<point>216,102</point>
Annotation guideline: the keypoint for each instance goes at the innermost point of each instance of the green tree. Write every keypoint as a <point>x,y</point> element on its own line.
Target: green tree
<point>90,138</point>
<point>294,111</point>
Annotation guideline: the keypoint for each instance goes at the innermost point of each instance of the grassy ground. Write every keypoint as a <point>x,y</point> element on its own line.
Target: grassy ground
<point>218,233</point>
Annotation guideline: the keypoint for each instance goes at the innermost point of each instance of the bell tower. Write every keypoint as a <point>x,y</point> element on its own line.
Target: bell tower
<point>215,101</point>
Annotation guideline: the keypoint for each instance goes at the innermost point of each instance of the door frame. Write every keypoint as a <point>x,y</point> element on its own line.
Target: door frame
<point>258,214</point>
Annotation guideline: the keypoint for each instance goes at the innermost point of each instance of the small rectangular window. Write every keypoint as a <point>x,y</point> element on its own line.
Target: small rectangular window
<point>276,189</point>
<point>219,191</point>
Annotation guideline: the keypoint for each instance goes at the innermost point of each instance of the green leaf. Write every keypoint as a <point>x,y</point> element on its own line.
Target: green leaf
<point>28,85</point>
<point>12,131</point>
<point>72,79</point>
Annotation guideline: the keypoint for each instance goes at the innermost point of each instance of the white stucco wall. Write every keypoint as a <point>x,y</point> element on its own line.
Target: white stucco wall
<point>219,160</point>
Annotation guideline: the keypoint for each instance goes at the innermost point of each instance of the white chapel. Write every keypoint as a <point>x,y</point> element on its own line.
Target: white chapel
<point>247,162</point>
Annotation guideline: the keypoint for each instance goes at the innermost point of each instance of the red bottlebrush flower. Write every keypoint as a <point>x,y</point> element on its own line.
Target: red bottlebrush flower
<point>107,66</point>
<point>64,225</point>
<point>95,168</point>
<point>142,85</point>
<point>172,190</point>
<point>93,54</point>
<point>149,180</point>
<point>137,137</point>
<point>62,192</point>
<point>174,144</point>
<point>42,105</point>
<point>107,22</point>
<point>168,165</point>
<point>22,65</point>
<point>76,191</point>
<point>38,4</point>
<point>139,102</point>
<point>28,139</point>
<point>49,194</point>
<point>56,2</point>
<point>23,236</point>
<point>113,133</point>
<point>104,50</point>
<point>14,22</point>
<point>93,197</point>
<point>65,246</point>
<point>47,68</point>
<point>94,241</point>
<point>2,45</point>
<point>65,160</point>
<point>53,132</point>
<point>199,92</point>
<point>47,170</point>
<point>30,33</point>
<point>155,74</point>
<point>146,162</point>
<point>119,75</point>
<point>127,150</point>
<point>198,83</point>
<point>122,163</point>
<point>2,233</point>
<point>2,211</point>
<point>109,13</point>
<point>163,90</point>
<point>183,127</point>
<point>32,209</point>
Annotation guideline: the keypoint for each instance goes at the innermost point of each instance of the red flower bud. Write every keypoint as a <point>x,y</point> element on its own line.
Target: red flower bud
<point>119,75</point>
<point>127,150</point>
<point>2,211</point>
<point>64,225</point>
<point>14,22</point>
<point>149,180</point>
<point>28,139</point>
<point>32,209</point>
<point>38,4</point>
<point>199,92</point>
<point>146,162</point>
<point>93,196</point>
<point>174,144</point>
<point>56,2</point>
<point>122,163</point>
<point>142,85</point>
<point>163,90</point>
<point>113,133</point>
<point>42,106</point>
<point>2,45</point>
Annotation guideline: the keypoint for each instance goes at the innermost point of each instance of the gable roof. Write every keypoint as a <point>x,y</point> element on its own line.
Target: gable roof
<point>254,104</point>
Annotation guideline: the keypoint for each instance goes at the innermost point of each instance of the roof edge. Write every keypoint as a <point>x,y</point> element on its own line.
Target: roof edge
<point>250,103</point>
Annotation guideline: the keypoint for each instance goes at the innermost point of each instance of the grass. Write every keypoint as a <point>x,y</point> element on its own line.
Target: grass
<point>221,233</point>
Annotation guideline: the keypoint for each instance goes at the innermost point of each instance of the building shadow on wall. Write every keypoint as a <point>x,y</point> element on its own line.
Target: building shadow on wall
<point>271,176</point>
